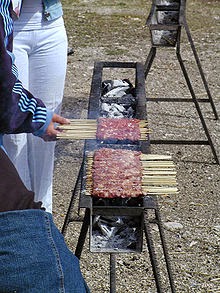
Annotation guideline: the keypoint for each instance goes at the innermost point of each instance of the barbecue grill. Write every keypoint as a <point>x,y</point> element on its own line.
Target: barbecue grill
<point>165,22</point>
<point>108,217</point>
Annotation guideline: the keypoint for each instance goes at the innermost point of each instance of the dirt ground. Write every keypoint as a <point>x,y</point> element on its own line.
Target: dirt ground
<point>115,31</point>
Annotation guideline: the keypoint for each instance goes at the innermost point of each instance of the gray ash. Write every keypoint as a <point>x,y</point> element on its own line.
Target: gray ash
<point>169,2</point>
<point>168,17</point>
<point>118,99</point>
<point>112,233</point>
<point>163,37</point>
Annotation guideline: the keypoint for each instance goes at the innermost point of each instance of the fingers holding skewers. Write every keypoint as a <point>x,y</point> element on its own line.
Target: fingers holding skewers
<point>52,131</point>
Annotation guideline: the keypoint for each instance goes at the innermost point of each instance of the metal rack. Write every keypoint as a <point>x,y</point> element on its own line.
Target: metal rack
<point>140,208</point>
<point>165,23</point>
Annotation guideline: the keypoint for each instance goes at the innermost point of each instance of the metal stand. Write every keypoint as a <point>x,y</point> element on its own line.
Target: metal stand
<point>149,203</point>
<point>141,210</point>
<point>175,42</point>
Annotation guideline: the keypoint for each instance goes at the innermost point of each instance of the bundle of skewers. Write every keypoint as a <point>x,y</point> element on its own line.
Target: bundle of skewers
<point>105,129</point>
<point>124,173</point>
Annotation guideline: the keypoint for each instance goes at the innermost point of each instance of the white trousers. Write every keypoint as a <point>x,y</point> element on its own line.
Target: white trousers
<point>41,58</point>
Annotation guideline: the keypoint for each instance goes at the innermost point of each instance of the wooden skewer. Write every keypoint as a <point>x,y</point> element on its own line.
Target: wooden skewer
<point>147,192</point>
<point>156,162</point>
<point>75,137</point>
<point>155,157</point>
<point>81,120</point>
<point>164,184</point>
<point>81,128</point>
<point>150,188</point>
<point>144,188</point>
<point>159,179</point>
<point>92,125</point>
<point>159,182</point>
<point>93,122</point>
<point>78,125</point>
<point>145,171</point>
<point>145,177</point>
<point>84,131</point>
<point>155,178</point>
<point>142,138</point>
<point>159,190</point>
<point>90,134</point>
<point>82,137</point>
<point>155,172</point>
<point>156,165</point>
<point>96,121</point>
<point>154,188</point>
<point>165,192</point>
<point>164,167</point>
<point>148,163</point>
<point>77,131</point>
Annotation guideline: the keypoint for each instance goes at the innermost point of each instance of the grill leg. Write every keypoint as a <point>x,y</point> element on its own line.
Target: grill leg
<point>152,253</point>
<point>164,245</point>
<point>200,69</point>
<point>72,202</point>
<point>149,61</point>
<point>112,272</point>
<point>196,103</point>
<point>83,232</point>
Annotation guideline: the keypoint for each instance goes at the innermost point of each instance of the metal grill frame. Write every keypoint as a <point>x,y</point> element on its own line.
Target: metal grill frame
<point>182,23</point>
<point>149,202</point>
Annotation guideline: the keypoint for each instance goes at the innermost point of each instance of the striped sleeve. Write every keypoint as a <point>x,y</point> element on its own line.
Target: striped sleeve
<point>20,111</point>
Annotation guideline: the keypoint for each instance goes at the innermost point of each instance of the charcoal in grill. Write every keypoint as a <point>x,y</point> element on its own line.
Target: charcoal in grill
<point>164,37</point>
<point>118,99</point>
<point>168,2</point>
<point>116,233</point>
<point>108,85</point>
<point>167,17</point>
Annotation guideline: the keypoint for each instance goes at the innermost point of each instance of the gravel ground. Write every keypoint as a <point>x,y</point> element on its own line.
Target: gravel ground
<point>116,31</point>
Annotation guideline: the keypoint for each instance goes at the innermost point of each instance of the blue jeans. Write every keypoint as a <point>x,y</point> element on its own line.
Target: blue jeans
<point>34,257</point>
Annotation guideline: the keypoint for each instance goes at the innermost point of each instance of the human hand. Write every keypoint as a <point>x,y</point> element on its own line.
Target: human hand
<point>51,131</point>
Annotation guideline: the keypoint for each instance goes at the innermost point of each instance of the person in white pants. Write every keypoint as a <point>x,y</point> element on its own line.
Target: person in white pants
<point>40,48</point>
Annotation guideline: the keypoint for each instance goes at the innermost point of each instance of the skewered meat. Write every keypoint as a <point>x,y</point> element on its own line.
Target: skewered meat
<point>120,129</point>
<point>116,173</point>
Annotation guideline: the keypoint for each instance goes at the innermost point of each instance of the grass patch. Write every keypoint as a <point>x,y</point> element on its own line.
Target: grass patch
<point>116,52</point>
